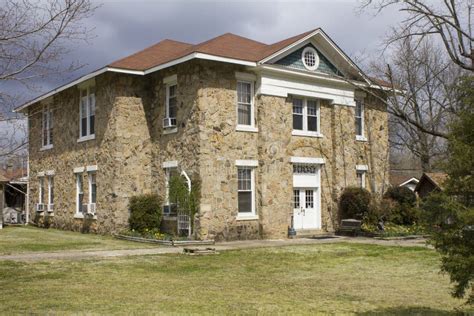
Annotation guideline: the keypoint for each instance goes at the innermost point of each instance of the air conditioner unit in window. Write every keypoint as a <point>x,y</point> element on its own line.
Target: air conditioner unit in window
<point>169,122</point>
<point>50,208</point>
<point>91,208</point>
<point>39,207</point>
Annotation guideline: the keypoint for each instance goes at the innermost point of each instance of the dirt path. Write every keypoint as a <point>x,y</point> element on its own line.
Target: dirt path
<point>221,246</point>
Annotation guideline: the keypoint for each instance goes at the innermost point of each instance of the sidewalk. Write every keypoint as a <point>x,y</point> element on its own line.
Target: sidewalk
<point>221,246</point>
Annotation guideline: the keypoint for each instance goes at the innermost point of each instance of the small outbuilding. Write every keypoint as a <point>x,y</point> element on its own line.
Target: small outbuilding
<point>403,180</point>
<point>430,182</point>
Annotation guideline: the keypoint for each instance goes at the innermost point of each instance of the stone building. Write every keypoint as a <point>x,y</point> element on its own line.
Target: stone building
<point>272,132</point>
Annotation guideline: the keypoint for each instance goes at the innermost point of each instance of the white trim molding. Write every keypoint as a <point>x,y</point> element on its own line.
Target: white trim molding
<point>41,174</point>
<point>307,160</point>
<point>170,164</point>
<point>250,217</point>
<point>49,172</point>
<point>170,79</point>
<point>245,76</point>
<point>91,168</point>
<point>362,167</point>
<point>246,163</point>
<point>79,169</point>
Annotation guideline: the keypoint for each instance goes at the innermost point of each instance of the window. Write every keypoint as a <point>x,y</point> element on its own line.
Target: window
<point>50,193</point>
<point>47,127</point>
<point>306,117</point>
<point>80,209</point>
<point>246,192</point>
<point>245,110</point>
<point>41,190</point>
<point>359,120</point>
<point>169,208</point>
<point>171,105</point>
<point>87,113</point>
<point>310,58</point>
<point>361,171</point>
<point>92,188</point>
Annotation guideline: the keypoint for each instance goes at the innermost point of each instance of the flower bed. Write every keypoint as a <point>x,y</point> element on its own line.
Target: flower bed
<point>393,230</point>
<point>156,237</point>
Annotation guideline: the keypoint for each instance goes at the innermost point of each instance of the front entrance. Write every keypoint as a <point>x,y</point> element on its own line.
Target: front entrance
<point>306,208</point>
<point>306,196</point>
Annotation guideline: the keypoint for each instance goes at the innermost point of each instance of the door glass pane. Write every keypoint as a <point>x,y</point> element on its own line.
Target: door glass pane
<point>309,198</point>
<point>296,198</point>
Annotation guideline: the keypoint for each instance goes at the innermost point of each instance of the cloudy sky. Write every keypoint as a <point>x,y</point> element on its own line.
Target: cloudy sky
<point>122,27</point>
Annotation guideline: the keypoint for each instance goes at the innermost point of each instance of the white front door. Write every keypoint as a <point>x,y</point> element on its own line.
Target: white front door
<point>306,210</point>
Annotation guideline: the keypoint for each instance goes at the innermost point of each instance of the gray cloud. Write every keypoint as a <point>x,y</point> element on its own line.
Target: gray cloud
<point>124,27</point>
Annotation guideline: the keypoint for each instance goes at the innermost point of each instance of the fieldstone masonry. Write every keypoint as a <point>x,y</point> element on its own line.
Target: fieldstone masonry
<point>130,147</point>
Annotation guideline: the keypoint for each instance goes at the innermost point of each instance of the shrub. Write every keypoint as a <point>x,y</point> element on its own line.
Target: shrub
<point>145,212</point>
<point>402,195</point>
<point>404,211</point>
<point>355,203</point>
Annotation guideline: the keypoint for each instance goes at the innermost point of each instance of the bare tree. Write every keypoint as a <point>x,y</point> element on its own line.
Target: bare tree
<point>35,36</point>
<point>427,103</point>
<point>449,20</point>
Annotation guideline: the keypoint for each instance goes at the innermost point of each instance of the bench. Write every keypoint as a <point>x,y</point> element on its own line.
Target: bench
<point>352,226</point>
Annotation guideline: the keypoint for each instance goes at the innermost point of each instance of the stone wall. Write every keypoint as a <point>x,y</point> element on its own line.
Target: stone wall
<point>130,147</point>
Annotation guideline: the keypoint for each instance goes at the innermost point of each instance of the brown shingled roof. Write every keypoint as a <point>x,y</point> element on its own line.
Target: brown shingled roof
<point>437,178</point>
<point>227,45</point>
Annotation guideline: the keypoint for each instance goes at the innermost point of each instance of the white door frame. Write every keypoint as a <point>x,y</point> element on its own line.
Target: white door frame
<point>309,177</point>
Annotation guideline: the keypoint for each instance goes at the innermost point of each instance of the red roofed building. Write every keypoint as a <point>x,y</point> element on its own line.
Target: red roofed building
<point>272,132</point>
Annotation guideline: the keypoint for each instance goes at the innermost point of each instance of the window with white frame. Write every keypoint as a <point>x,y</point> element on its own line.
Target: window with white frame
<point>245,101</point>
<point>87,112</point>
<point>50,193</point>
<point>171,106</point>
<point>359,119</point>
<point>80,208</point>
<point>306,116</point>
<point>310,58</point>
<point>168,207</point>
<point>41,191</point>
<point>47,127</point>
<point>361,171</point>
<point>92,188</point>
<point>246,190</point>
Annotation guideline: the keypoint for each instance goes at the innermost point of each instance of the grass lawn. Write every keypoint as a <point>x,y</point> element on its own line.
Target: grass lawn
<point>28,238</point>
<point>323,278</point>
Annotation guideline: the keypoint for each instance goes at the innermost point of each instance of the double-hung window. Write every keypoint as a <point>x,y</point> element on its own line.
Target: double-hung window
<point>306,117</point>
<point>47,128</point>
<point>171,103</point>
<point>246,189</point>
<point>50,193</point>
<point>92,189</point>
<point>80,208</point>
<point>41,194</point>
<point>359,120</point>
<point>361,171</point>
<point>245,102</point>
<point>171,170</point>
<point>87,113</point>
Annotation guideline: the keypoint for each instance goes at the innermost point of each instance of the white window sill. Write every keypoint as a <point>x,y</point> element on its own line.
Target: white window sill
<point>306,134</point>
<point>47,147</point>
<point>246,128</point>
<point>361,138</point>
<point>86,138</point>
<point>247,217</point>
<point>168,131</point>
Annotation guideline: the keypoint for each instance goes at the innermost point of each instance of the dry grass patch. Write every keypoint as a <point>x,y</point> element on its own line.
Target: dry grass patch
<point>31,239</point>
<point>325,278</point>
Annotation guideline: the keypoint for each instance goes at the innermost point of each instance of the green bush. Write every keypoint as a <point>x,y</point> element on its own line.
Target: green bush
<point>404,212</point>
<point>145,212</point>
<point>402,195</point>
<point>355,203</point>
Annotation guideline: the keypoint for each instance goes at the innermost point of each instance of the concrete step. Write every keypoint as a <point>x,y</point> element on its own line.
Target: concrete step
<point>313,233</point>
